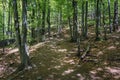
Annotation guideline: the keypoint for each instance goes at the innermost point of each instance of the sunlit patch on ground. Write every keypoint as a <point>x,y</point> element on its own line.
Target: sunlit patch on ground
<point>114,71</point>
<point>111,48</point>
<point>67,72</point>
<point>55,59</point>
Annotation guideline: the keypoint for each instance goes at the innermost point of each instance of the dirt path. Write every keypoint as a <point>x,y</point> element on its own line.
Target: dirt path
<point>55,60</point>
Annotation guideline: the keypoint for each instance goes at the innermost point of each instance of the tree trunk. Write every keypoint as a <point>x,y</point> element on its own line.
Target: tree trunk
<point>16,25</point>
<point>43,20</point>
<point>115,19</point>
<point>39,21</point>
<point>60,22</point>
<point>109,9</point>
<point>86,26</point>
<point>48,19</point>
<point>69,19</point>
<point>97,21</point>
<point>21,41</point>
<point>71,28</point>
<point>25,53</point>
<point>105,30</point>
<point>3,27</point>
<point>75,30</point>
<point>83,17</point>
<point>9,20</point>
<point>32,21</point>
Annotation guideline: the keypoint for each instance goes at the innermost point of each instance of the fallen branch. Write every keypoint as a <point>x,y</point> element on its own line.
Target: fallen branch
<point>85,53</point>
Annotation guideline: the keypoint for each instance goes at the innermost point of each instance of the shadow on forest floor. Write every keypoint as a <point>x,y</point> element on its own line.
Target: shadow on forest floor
<point>55,59</point>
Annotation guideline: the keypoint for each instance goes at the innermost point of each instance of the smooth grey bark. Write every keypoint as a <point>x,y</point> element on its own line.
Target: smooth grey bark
<point>43,20</point>
<point>69,19</point>
<point>25,53</point>
<point>75,27</point>
<point>83,18</point>
<point>9,20</point>
<point>39,21</point>
<point>104,26</point>
<point>97,20</point>
<point>109,10</point>
<point>60,22</point>
<point>21,39</point>
<point>48,19</point>
<point>71,28</point>
<point>16,25</point>
<point>32,21</point>
<point>86,26</point>
<point>3,22</point>
<point>115,19</point>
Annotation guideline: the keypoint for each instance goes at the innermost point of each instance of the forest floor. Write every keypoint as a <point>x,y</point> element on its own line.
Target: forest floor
<point>55,59</point>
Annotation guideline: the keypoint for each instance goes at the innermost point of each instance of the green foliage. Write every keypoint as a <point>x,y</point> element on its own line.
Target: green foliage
<point>55,6</point>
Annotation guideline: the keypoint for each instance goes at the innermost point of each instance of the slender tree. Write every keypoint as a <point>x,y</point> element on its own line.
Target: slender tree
<point>69,19</point>
<point>75,28</point>
<point>25,55</point>
<point>104,26</point>
<point>3,22</point>
<point>43,20</point>
<point>86,14</point>
<point>97,20</point>
<point>83,17</point>
<point>60,20</point>
<point>109,10</point>
<point>115,19</point>
<point>33,20</point>
<point>48,19</point>
<point>38,20</point>
<point>21,39</point>
<point>9,20</point>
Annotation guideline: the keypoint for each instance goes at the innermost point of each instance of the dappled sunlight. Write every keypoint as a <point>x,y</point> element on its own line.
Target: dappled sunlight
<point>93,75</point>
<point>117,43</point>
<point>92,33</point>
<point>62,50</point>
<point>59,40</point>
<point>99,69</point>
<point>57,67</point>
<point>93,72</point>
<point>69,61</point>
<point>105,63</point>
<point>66,35</point>
<point>6,69</point>
<point>115,71</point>
<point>111,48</point>
<point>55,59</point>
<point>71,52</point>
<point>67,72</point>
<point>13,51</point>
<point>100,53</point>
<point>106,72</point>
<point>114,36</point>
<point>80,77</point>
<point>52,46</point>
<point>51,77</point>
<point>95,50</point>
<point>33,48</point>
<point>2,70</point>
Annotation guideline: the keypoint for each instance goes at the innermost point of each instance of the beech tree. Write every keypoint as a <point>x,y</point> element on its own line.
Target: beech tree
<point>22,37</point>
<point>75,26</point>
<point>115,19</point>
<point>36,20</point>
